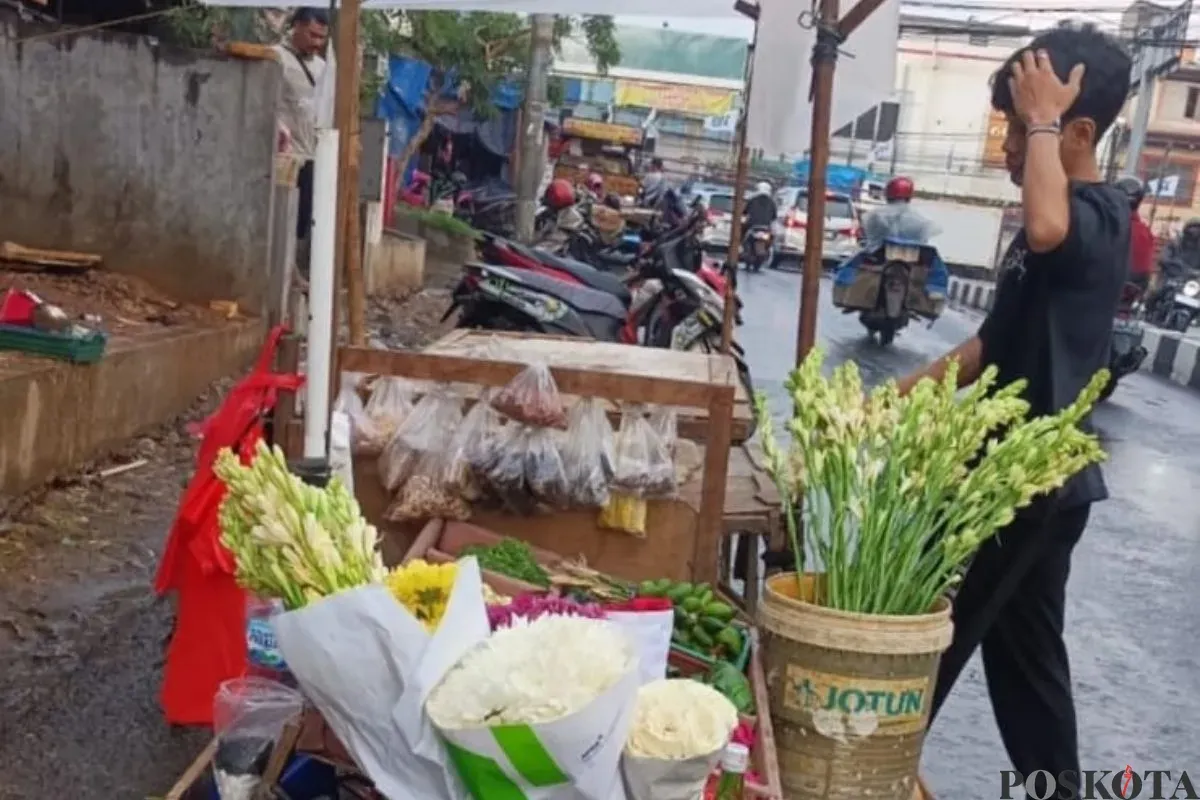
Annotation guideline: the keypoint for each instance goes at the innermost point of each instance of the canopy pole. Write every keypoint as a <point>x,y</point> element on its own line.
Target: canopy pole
<point>345,120</point>
<point>739,191</point>
<point>830,34</point>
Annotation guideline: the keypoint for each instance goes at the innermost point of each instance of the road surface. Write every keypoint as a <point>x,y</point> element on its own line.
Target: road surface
<point>1131,615</point>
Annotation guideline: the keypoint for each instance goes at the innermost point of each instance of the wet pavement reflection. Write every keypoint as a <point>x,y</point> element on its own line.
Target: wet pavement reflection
<point>1132,616</point>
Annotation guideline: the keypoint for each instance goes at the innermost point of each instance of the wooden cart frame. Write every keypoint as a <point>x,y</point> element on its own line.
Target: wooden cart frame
<point>715,396</point>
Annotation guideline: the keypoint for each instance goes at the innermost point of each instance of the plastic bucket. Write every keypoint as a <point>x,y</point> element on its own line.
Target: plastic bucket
<point>850,694</point>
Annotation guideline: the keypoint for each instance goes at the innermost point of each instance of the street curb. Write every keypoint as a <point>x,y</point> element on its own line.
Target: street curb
<point>1169,355</point>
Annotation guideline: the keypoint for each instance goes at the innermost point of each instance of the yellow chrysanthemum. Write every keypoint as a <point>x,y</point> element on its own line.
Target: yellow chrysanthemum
<point>424,589</point>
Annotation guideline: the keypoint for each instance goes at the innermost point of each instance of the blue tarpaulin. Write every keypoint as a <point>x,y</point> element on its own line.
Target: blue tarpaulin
<point>837,178</point>
<point>402,103</point>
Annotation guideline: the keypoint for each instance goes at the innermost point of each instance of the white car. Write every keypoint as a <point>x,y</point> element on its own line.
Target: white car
<point>718,206</point>
<point>842,231</point>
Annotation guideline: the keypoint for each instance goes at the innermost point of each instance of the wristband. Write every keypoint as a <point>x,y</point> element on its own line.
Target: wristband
<point>1053,128</point>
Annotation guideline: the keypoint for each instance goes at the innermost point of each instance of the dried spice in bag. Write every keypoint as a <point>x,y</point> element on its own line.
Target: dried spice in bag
<point>390,403</point>
<point>532,398</point>
<point>425,496</point>
<point>473,444</point>
<point>504,475</point>
<point>545,477</point>
<point>665,422</point>
<point>643,467</point>
<point>626,513</point>
<point>588,454</point>
<point>428,428</point>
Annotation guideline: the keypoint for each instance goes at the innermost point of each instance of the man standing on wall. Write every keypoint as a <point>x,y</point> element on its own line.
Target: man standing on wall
<point>300,57</point>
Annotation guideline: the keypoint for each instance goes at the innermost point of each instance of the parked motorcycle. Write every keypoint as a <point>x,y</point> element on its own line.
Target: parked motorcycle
<point>895,282</point>
<point>1175,304</point>
<point>1128,352</point>
<point>757,248</point>
<point>659,304</point>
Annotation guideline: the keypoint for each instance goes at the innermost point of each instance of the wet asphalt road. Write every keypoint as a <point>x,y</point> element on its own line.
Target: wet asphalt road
<point>1132,616</point>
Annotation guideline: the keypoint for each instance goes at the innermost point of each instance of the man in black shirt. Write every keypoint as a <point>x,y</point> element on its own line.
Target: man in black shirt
<point>1051,324</point>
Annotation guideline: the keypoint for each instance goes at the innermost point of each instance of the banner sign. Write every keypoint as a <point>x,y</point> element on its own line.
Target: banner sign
<point>602,131</point>
<point>993,145</point>
<point>703,101</point>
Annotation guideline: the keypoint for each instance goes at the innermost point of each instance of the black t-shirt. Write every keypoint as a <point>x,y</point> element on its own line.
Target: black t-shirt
<point>1052,316</point>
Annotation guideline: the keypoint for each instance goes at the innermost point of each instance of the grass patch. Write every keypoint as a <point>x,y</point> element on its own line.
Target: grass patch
<point>438,220</point>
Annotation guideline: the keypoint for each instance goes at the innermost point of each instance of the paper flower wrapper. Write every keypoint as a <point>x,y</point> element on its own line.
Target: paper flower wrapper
<point>368,665</point>
<point>577,757</point>
<point>663,779</point>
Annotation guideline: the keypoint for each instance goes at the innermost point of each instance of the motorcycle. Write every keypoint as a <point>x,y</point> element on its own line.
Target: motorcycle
<point>660,304</point>
<point>887,286</point>
<point>1127,352</point>
<point>757,247</point>
<point>1175,304</point>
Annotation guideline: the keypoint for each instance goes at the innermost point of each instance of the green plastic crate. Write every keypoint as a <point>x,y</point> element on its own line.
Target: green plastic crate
<point>77,350</point>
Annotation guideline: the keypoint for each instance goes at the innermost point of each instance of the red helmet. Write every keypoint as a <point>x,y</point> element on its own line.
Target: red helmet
<point>899,188</point>
<point>595,183</point>
<point>560,194</point>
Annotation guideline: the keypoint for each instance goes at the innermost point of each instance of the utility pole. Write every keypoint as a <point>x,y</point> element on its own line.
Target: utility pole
<point>533,122</point>
<point>349,240</point>
<point>1141,120</point>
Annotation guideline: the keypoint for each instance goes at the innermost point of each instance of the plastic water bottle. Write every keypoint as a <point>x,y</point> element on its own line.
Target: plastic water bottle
<point>263,656</point>
<point>734,761</point>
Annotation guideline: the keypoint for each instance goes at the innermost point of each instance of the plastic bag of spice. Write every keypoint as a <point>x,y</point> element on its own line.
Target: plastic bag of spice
<point>502,477</point>
<point>532,398</point>
<point>428,428</point>
<point>665,422</point>
<point>544,474</point>
<point>643,465</point>
<point>425,494</point>
<point>474,443</point>
<point>390,403</point>
<point>588,454</point>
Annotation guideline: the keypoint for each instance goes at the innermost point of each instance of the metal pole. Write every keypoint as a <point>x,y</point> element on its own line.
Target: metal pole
<point>739,203</point>
<point>1141,121</point>
<point>533,119</point>
<point>824,59</point>
<point>1162,171</point>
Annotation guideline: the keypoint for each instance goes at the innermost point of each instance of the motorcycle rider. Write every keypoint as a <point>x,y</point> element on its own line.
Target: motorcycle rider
<point>594,186</point>
<point>1141,247</point>
<point>898,218</point>
<point>654,184</point>
<point>1180,260</point>
<point>761,211</point>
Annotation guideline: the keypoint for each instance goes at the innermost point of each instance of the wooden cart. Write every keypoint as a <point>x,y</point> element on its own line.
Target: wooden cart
<point>703,386</point>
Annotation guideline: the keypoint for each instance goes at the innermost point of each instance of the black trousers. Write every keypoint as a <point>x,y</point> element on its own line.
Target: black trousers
<point>1011,603</point>
<point>304,185</point>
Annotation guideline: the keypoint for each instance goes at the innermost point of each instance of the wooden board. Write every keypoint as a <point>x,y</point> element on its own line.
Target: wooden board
<point>712,389</point>
<point>612,358</point>
<point>37,258</point>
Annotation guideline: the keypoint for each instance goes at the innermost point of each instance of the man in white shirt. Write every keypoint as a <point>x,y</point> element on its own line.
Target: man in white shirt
<point>300,57</point>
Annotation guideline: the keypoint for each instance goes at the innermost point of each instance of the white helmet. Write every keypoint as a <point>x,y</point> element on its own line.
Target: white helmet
<point>763,187</point>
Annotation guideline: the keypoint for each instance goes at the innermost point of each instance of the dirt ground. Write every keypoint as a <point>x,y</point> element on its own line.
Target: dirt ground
<point>81,633</point>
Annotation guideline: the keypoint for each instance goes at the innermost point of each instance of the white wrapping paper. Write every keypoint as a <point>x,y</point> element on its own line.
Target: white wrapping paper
<point>368,665</point>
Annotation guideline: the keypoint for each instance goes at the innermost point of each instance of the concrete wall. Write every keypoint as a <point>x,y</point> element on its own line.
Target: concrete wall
<point>59,415</point>
<point>159,159</point>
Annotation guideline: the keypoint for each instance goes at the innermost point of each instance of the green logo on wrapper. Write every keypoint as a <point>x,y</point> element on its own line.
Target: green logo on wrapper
<point>485,779</point>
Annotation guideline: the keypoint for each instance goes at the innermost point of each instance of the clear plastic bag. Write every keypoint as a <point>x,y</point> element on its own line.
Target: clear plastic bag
<point>504,475</point>
<point>532,398</point>
<point>390,404</point>
<point>425,494</point>
<point>249,715</point>
<point>427,429</point>
<point>545,477</point>
<point>665,422</point>
<point>473,446</point>
<point>588,454</point>
<point>643,465</point>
